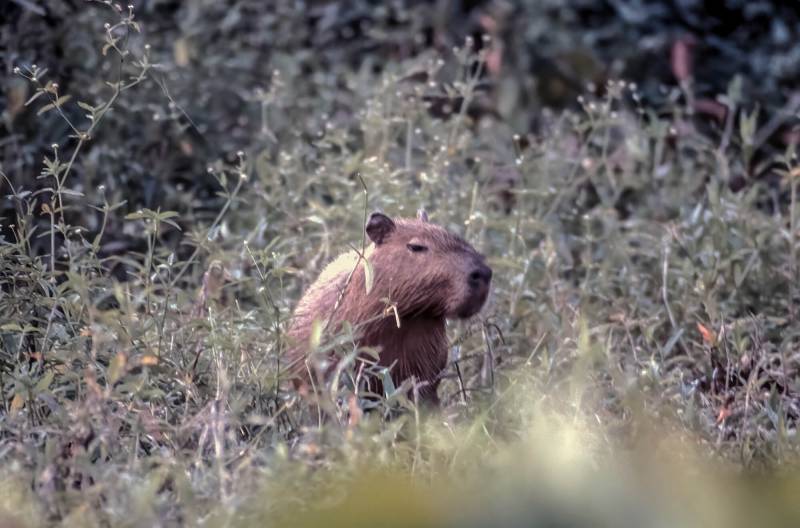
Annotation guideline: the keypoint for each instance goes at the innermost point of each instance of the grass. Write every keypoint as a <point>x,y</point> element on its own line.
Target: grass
<point>636,364</point>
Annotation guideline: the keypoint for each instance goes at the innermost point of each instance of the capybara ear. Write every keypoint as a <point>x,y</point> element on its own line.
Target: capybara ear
<point>379,227</point>
<point>422,215</point>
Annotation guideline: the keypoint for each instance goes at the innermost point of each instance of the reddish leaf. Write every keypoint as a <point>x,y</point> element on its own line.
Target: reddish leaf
<point>681,60</point>
<point>708,335</point>
<point>712,108</point>
<point>724,412</point>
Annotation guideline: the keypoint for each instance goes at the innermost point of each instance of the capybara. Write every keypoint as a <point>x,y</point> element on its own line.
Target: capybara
<point>428,273</point>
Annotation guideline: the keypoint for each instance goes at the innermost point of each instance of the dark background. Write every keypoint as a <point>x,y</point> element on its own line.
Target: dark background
<point>201,104</point>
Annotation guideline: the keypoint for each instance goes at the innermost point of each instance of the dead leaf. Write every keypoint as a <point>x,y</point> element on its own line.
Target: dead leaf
<point>708,335</point>
<point>148,360</point>
<point>724,413</point>
<point>355,411</point>
<point>17,402</point>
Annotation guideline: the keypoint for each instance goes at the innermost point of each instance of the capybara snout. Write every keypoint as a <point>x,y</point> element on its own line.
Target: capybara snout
<point>481,276</point>
<point>478,281</point>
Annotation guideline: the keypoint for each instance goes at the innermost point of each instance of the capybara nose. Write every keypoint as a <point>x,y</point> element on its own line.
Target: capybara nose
<point>480,276</point>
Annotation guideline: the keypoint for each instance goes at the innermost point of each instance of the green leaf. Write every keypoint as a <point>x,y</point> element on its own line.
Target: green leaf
<point>368,275</point>
<point>316,334</point>
<point>747,126</point>
<point>55,104</point>
<point>672,341</point>
<point>34,97</point>
<point>735,90</point>
<point>86,106</point>
<point>138,215</point>
<point>71,192</point>
<point>388,383</point>
<point>116,368</point>
<point>173,224</point>
<point>44,383</point>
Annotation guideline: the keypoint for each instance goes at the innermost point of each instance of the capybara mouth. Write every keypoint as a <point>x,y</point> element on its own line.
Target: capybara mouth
<point>473,305</point>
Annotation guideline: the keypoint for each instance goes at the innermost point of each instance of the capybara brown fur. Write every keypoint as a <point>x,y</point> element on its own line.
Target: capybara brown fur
<point>428,273</point>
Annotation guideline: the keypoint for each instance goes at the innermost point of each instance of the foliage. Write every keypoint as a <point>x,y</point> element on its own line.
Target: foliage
<point>171,201</point>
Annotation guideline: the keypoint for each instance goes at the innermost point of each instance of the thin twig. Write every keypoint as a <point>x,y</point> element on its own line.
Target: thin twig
<point>664,295</point>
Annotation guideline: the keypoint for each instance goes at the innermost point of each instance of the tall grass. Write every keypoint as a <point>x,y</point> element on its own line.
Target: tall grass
<point>641,333</point>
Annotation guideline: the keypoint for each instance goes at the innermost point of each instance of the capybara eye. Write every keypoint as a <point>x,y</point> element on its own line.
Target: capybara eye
<point>416,248</point>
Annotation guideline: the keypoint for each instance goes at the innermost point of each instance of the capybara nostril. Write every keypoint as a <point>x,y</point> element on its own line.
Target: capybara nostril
<point>480,275</point>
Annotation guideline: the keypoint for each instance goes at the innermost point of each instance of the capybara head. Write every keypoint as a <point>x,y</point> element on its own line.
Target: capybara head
<point>425,269</point>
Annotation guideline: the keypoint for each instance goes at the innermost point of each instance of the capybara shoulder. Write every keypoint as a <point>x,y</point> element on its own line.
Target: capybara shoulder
<point>425,273</point>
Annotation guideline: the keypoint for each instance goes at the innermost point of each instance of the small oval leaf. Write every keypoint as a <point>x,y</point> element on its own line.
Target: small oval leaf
<point>368,275</point>
<point>316,334</point>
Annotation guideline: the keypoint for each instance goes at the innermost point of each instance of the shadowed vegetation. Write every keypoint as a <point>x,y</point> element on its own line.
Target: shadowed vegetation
<point>174,175</point>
